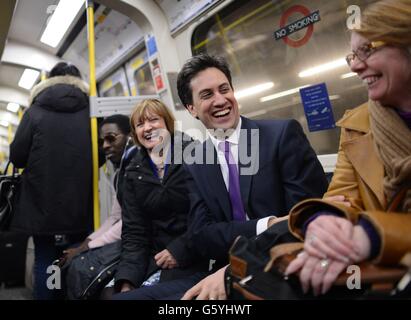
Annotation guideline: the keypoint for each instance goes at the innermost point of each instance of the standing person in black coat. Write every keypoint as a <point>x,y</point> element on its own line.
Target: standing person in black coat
<point>156,205</point>
<point>53,145</point>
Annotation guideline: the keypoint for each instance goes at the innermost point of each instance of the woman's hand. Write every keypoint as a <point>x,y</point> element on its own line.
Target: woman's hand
<point>165,260</point>
<point>362,244</point>
<point>321,273</point>
<point>317,273</point>
<point>330,236</point>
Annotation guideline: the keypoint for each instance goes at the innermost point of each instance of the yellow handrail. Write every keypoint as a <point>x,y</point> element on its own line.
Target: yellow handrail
<point>93,93</point>
<point>10,139</point>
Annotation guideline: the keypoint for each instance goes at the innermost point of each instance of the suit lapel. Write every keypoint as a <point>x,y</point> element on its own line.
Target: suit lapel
<point>248,158</point>
<point>362,155</point>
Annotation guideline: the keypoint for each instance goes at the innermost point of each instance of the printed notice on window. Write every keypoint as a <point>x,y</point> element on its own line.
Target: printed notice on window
<point>317,107</point>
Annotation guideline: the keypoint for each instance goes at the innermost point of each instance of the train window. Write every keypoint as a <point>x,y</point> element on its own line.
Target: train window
<point>114,91</point>
<point>144,80</point>
<point>139,75</point>
<point>114,85</point>
<point>243,32</point>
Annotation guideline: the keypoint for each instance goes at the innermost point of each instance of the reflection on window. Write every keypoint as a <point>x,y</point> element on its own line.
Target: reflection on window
<point>144,80</point>
<point>242,32</point>
<point>115,91</point>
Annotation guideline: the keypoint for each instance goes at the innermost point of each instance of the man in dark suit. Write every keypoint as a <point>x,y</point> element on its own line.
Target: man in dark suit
<point>245,175</point>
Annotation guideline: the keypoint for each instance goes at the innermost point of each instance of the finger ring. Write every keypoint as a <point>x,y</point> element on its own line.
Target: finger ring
<point>324,263</point>
<point>211,298</point>
<point>311,239</point>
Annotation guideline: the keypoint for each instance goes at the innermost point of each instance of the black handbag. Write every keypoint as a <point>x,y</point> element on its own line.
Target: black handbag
<point>9,186</point>
<point>245,277</point>
<point>89,272</point>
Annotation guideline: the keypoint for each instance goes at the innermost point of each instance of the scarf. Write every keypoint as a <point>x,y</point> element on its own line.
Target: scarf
<point>392,139</point>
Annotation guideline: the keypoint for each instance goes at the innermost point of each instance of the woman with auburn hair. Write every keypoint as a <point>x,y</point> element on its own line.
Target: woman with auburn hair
<point>155,206</point>
<point>373,172</point>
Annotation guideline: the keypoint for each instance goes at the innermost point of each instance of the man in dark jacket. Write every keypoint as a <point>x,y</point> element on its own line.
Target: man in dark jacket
<point>53,145</point>
<point>259,169</point>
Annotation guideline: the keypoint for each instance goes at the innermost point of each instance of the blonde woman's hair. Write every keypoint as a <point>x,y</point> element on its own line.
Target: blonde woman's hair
<point>388,21</point>
<point>147,107</point>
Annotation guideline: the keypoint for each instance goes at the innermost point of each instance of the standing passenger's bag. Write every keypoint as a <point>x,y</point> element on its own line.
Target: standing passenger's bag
<point>8,188</point>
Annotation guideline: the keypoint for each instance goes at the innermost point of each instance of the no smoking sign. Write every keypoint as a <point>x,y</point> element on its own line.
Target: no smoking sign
<point>306,22</point>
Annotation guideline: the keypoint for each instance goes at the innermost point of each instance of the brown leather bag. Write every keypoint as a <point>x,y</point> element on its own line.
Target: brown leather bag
<point>376,281</point>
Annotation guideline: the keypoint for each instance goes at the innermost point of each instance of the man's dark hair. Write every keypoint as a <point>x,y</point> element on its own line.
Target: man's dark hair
<point>122,122</point>
<point>64,69</point>
<point>192,67</point>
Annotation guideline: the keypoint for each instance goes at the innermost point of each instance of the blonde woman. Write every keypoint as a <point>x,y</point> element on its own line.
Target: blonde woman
<point>373,172</point>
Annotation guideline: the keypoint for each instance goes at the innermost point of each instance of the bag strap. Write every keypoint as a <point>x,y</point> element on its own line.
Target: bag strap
<point>97,279</point>
<point>14,172</point>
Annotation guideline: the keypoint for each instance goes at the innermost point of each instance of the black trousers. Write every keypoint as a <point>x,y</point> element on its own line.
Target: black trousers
<point>169,290</point>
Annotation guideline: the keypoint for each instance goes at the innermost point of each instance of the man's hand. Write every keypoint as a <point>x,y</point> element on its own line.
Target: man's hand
<point>210,288</point>
<point>273,220</point>
<point>72,252</point>
<point>165,260</point>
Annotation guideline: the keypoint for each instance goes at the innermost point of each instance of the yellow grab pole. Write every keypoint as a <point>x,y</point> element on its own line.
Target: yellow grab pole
<point>43,75</point>
<point>10,138</point>
<point>10,133</point>
<point>20,116</point>
<point>93,93</point>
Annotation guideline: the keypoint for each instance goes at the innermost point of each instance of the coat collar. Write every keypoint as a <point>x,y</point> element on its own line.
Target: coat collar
<point>70,80</point>
<point>357,119</point>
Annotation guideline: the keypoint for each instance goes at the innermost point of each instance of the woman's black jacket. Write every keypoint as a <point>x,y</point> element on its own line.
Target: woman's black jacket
<point>154,218</point>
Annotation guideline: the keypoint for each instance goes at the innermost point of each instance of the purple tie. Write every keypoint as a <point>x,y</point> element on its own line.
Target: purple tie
<point>233,183</point>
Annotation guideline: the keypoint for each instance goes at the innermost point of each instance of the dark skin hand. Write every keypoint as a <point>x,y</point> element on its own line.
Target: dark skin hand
<point>72,252</point>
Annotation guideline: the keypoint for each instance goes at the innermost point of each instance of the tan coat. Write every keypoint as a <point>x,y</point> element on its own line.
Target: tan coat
<point>359,177</point>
